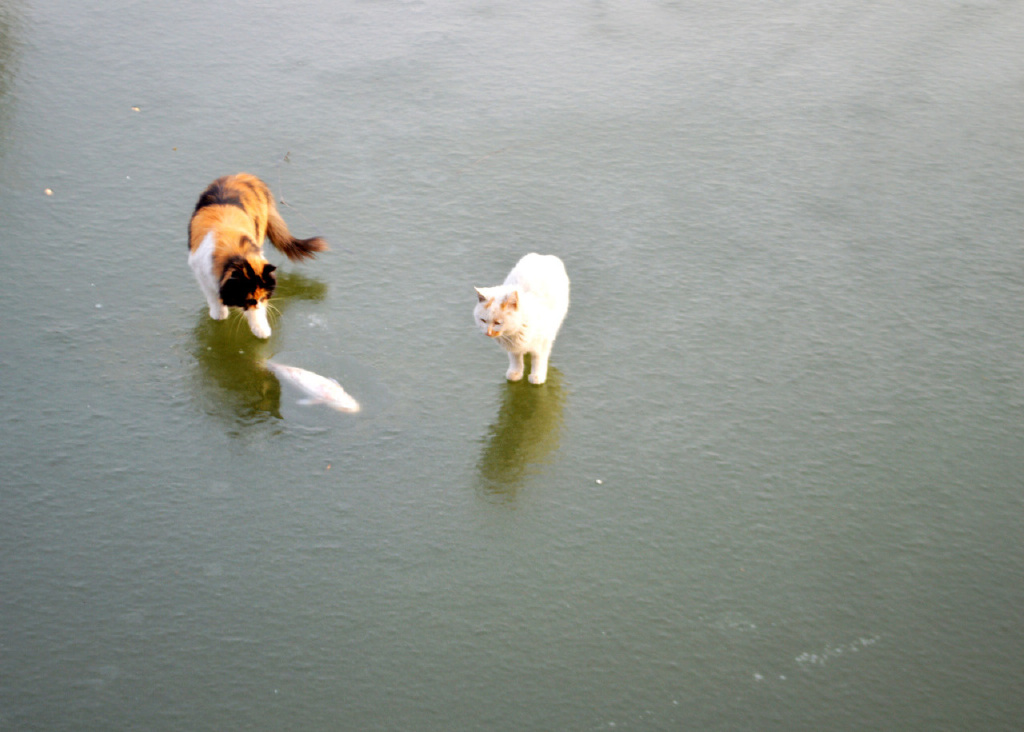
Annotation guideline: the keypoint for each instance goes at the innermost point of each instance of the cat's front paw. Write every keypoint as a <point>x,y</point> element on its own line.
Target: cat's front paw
<point>513,375</point>
<point>537,378</point>
<point>218,312</point>
<point>260,330</point>
<point>258,323</point>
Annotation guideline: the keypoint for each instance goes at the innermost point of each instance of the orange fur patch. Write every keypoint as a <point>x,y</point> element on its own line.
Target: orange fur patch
<point>235,203</point>
<point>240,211</point>
<point>237,208</point>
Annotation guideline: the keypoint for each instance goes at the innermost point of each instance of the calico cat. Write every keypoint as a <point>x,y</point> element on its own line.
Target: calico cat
<point>524,314</point>
<point>225,243</point>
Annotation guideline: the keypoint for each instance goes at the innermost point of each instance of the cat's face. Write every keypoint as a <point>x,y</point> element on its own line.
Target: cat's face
<point>497,311</point>
<point>244,287</point>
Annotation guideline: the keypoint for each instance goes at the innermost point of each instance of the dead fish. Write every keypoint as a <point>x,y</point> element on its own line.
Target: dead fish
<point>321,390</point>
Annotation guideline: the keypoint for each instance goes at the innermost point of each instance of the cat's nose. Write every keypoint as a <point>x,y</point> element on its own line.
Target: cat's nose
<point>493,333</point>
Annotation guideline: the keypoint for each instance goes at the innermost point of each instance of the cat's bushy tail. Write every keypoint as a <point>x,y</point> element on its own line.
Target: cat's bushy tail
<point>288,245</point>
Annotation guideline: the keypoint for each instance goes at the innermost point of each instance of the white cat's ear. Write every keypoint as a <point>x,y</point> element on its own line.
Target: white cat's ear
<point>511,301</point>
<point>485,296</point>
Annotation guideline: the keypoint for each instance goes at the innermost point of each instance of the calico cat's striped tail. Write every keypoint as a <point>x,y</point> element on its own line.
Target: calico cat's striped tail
<point>288,245</point>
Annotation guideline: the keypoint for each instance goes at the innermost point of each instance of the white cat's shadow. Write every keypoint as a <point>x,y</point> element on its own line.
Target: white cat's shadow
<point>523,437</point>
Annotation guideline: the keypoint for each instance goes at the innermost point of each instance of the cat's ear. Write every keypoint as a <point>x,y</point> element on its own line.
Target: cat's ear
<point>511,301</point>
<point>485,296</point>
<point>236,268</point>
<point>269,277</point>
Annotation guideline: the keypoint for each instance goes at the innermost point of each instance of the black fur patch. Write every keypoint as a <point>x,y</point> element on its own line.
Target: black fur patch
<point>218,195</point>
<point>269,278</point>
<point>238,288</point>
<point>239,283</point>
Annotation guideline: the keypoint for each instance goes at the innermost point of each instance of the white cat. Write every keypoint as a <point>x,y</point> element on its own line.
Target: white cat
<point>524,314</point>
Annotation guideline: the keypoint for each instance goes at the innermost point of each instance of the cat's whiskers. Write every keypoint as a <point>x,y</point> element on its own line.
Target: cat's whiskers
<point>238,318</point>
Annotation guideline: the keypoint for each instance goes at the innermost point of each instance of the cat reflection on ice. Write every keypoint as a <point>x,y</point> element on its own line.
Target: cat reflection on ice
<point>525,312</point>
<point>523,438</point>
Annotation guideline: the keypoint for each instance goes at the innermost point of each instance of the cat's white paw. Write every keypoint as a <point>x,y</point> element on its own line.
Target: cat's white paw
<point>537,378</point>
<point>258,323</point>
<point>513,375</point>
<point>260,330</point>
<point>219,312</point>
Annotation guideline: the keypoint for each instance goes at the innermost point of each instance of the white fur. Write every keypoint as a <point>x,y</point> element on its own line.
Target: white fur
<point>201,262</point>
<point>535,296</point>
<point>257,318</point>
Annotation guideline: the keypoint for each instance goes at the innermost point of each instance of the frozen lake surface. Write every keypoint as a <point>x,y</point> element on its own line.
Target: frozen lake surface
<point>775,479</point>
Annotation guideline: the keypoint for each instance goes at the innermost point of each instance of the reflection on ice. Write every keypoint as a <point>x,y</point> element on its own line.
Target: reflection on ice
<point>524,435</point>
<point>232,382</point>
